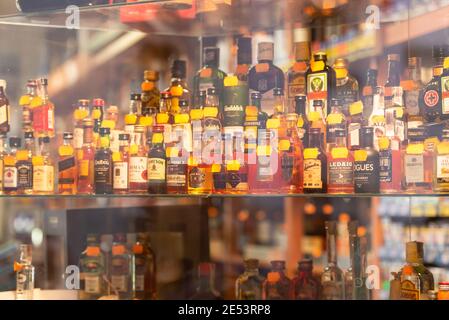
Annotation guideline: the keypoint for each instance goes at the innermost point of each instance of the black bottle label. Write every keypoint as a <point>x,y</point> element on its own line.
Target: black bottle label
<point>237,180</point>
<point>235,99</point>
<point>103,175</point>
<point>219,180</point>
<point>196,178</point>
<point>66,164</point>
<point>176,174</point>
<point>24,174</point>
<point>341,173</point>
<point>287,167</point>
<point>385,165</point>
<point>366,175</point>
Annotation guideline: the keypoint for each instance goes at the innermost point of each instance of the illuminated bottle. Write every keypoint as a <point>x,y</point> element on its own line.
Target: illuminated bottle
<point>441,176</point>
<point>236,168</point>
<point>340,166</point>
<point>3,148</point>
<point>164,118</point>
<point>178,87</point>
<point>177,159</point>
<point>317,119</point>
<point>43,169</point>
<point>81,112</point>
<point>5,113</point>
<point>347,87</point>
<point>390,165</point>
<point>335,120</point>
<point>304,285</point>
<point>277,286</point>
<point>43,112</point>
<point>366,164</point>
<point>67,169</point>
<point>93,266</point>
<point>249,285</point>
<point>9,167</point>
<point>303,123</point>
<point>157,163</point>
<point>25,103</point>
<point>120,177</point>
<point>24,165</point>
<point>103,164</point>
<point>355,124</point>
<point>315,164</point>
<point>138,175</point>
<point>134,113</point>
<point>368,92</point>
<point>97,116</point>
<point>86,160</point>
<point>150,93</point>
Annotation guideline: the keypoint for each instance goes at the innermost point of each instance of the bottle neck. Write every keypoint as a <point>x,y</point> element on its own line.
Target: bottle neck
<point>212,101</point>
<point>205,283</point>
<point>87,135</point>
<point>331,248</point>
<point>393,74</point>
<point>315,141</point>
<point>135,107</point>
<point>301,108</point>
<point>256,103</point>
<point>340,141</point>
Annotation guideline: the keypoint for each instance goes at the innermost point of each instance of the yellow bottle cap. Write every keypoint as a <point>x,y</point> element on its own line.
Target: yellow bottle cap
<point>130,119</point>
<point>9,160</point>
<point>133,149</point>
<point>36,102</point>
<point>146,121</point>
<point>211,112</point>
<point>314,116</point>
<point>172,152</point>
<point>360,155</point>
<point>356,108</point>
<point>116,156</point>
<point>231,81</point>
<point>273,123</point>
<point>415,148</point>
<point>38,160</point>
<point>65,151</point>
<point>196,114</point>
<point>334,118</point>
<point>317,65</point>
<point>24,100</point>
<point>233,165</point>
<point>446,63</point>
<point>182,118</point>
<point>162,118</point>
<point>251,111</point>
<point>311,153</point>
<point>378,119</point>
<point>108,124</point>
<point>176,91</point>
<point>96,114</point>
<point>339,152</point>
<point>80,114</point>
<point>22,154</point>
<point>216,168</point>
<point>157,138</point>
<point>384,143</point>
<point>284,145</point>
<point>443,147</point>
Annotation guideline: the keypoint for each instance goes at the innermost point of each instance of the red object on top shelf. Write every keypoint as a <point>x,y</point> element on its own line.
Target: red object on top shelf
<point>147,11</point>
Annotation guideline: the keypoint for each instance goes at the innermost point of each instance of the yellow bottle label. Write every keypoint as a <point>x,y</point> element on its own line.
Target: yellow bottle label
<point>38,160</point>
<point>339,152</point>
<point>84,168</point>
<point>317,65</point>
<point>162,118</point>
<point>43,178</point>
<point>443,148</point>
<point>356,108</point>
<point>80,114</point>
<point>360,155</point>
<point>64,151</point>
<point>415,148</point>
<point>273,123</point>
<point>311,153</point>
<point>284,145</point>
<point>384,143</point>
<point>130,119</point>
<point>341,73</point>
<point>196,114</point>
<point>210,112</point>
<point>300,122</point>
<point>334,118</point>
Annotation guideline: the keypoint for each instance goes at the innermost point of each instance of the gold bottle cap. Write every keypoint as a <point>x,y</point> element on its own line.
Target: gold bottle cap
<point>88,122</point>
<point>414,251</point>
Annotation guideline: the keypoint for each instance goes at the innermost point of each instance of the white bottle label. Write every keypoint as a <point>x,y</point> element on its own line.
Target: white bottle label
<point>156,169</point>
<point>92,284</point>
<point>414,168</point>
<point>10,177</point>
<point>140,282</point>
<point>4,114</point>
<point>443,167</point>
<point>119,283</point>
<point>138,169</point>
<point>120,175</point>
<point>78,138</point>
<point>43,178</point>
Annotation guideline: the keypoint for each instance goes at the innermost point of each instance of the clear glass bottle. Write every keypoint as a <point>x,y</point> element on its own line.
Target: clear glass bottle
<point>24,165</point>
<point>304,285</point>
<point>25,103</point>
<point>412,89</point>
<point>5,112</point>
<point>265,76</point>
<point>43,112</point>
<point>145,267</point>
<point>86,160</point>
<point>10,169</point>
<point>103,166</point>
<point>340,166</point>
<point>120,177</point>
<point>332,279</point>
<point>347,86</point>
<point>441,166</point>
<point>134,113</point>
<point>67,168</point>
<point>296,75</point>
<point>302,124</point>
<point>249,285</point>
<point>177,168</point>
<point>277,286</point>
<point>178,86</point>
<point>164,118</point>
<point>335,120</point>
<point>350,273</point>
<point>206,283</point>
<point>24,273</point>
<point>355,124</point>
<point>138,161</point>
<point>390,165</point>
<point>43,168</point>
<point>93,270</point>
<point>122,268</point>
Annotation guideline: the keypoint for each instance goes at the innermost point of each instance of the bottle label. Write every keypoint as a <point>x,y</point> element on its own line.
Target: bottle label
<point>43,118</point>
<point>78,138</point>
<point>233,115</point>
<point>103,171</point>
<point>237,181</point>
<point>366,177</point>
<point>386,165</point>
<point>197,177</point>
<point>431,98</point>
<point>443,169</point>
<point>120,175</point>
<point>84,168</point>
<point>332,291</point>
<point>412,102</point>
<point>138,169</point>
<point>119,282</point>
<point>140,282</point>
<point>24,174</point>
<point>156,169</point>
<point>354,134</point>
<point>92,284</point>
<point>317,89</point>
<point>347,91</point>
<point>10,177</point>
<point>296,85</point>
<point>445,95</point>
<point>287,167</point>
<point>312,174</point>
<point>235,99</point>
<point>409,291</point>
<point>414,168</point>
<point>4,115</point>
<point>265,171</point>
<point>341,173</point>
<point>176,174</point>
<point>43,178</point>
<point>66,164</point>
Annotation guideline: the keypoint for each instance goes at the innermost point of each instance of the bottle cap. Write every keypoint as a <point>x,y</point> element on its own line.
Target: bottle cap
<point>179,69</point>
<point>320,56</point>
<point>88,122</point>
<point>305,264</point>
<point>278,92</point>
<point>104,131</point>
<point>43,81</point>
<point>414,251</point>
<point>265,51</point>
<point>98,102</point>
<point>340,63</point>
<point>440,51</point>
<point>211,91</point>
<point>15,142</point>
<point>151,75</point>
<point>29,135</point>
<point>244,52</point>
<point>135,96</point>
<point>123,136</point>
<point>211,56</point>
<point>67,135</point>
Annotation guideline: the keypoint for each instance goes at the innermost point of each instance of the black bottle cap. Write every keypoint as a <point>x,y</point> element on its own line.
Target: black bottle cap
<point>320,56</point>
<point>178,69</point>
<point>417,134</point>
<point>44,81</point>
<point>67,135</point>
<point>29,135</point>
<point>135,96</point>
<point>278,92</point>
<point>104,131</point>
<point>305,264</point>
<point>256,96</point>
<point>15,142</point>
<point>440,51</point>
<point>202,93</point>
<point>183,103</point>
<point>123,136</point>
<point>300,101</point>
<point>315,131</point>
<point>244,52</point>
<point>211,56</point>
<point>211,91</point>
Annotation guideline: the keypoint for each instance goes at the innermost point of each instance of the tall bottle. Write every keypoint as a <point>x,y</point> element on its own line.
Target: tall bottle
<point>412,89</point>
<point>25,103</point>
<point>350,273</point>
<point>430,99</point>
<point>347,86</point>
<point>244,59</point>
<point>390,165</point>
<point>24,273</point>
<point>157,163</point>
<point>315,164</point>
<point>93,270</point>
<point>103,164</point>
<point>335,120</point>
<point>5,113</point>
<point>355,124</point>
<point>304,285</point>
<point>24,165</point>
<point>235,100</point>
<point>377,118</point>
<point>296,75</point>
<point>206,283</point>
<point>43,169</point>
<point>122,268</point>
<point>3,153</point>
<point>277,286</point>
<point>164,118</point>
<point>249,285</point>
<point>366,164</point>
<point>340,167</point>
<point>10,176</point>
<point>303,124</point>
<point>368,92</point>
<point>441,165</point>
<point>321,82</point>
<point>43,112</point>
<point>150,93</point>
<point>138,161</point>
<point>332,280</point>
<point>67,169</point>
<point>209,76</point>
<point>178,86</point>
<point>265,76</point>
<point>418,163</point>
<point>145,268</point>
<point>86,159</point>
<point>120,177</point>
<point>182,127</point>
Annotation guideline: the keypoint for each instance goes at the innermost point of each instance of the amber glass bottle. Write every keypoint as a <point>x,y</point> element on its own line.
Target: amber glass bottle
<point>315,164</point>
<point>86,160</point>
<point>67,169</point>
<point>340,167</point>
<point>157,183</point>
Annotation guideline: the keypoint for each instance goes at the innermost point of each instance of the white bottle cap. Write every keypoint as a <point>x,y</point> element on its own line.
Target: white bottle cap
<point>265,51</point>
<point>301,35</point>
<point>3,84</point>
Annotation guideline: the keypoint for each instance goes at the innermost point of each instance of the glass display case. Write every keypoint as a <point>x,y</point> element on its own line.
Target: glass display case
<point>224,149</point>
